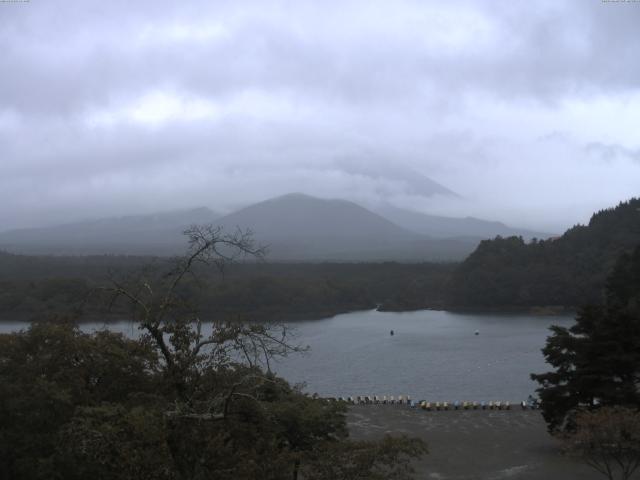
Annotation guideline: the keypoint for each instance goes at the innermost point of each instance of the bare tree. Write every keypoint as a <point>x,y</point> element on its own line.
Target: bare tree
<point>161,306</point>
<point>221,413</point>
<point>607,439</point>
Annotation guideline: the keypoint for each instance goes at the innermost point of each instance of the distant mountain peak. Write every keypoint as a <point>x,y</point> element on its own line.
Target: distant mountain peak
<point>295,226</point>
<point>304,196</point>
<point>293,195</point>
<point>413,182</point>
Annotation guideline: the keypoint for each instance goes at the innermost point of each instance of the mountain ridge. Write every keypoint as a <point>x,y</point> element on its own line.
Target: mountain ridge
<point>128,234</point>
<point>295,226</point>
<point>440,226</point>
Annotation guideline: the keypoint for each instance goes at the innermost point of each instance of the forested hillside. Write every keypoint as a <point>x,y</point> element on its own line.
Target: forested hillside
<point>502,273</point>
<point>566,271</point>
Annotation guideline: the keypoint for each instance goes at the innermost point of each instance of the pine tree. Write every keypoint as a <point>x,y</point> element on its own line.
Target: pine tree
<point>597,360</point>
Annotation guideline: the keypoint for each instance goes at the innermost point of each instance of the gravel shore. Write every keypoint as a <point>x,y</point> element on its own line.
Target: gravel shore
<point>474,444</point>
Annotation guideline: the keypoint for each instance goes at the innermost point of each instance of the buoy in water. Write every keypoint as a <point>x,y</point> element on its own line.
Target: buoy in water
<point>391,333</point>
<point>477,332</point>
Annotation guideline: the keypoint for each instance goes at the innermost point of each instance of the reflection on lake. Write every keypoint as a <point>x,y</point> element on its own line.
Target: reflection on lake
<point>432,354</point>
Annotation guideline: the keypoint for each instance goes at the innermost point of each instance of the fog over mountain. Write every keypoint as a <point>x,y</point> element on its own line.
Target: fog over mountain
<point>525,114</point>
<point>293,227</point>
<point>159,233</point>
<point>388,175</point>
<point>443,227</point>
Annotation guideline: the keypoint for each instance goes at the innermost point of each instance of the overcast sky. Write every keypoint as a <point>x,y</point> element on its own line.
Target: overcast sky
<point>528,110</point>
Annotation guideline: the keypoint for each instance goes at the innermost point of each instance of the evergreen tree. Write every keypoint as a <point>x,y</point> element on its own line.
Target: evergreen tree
<point>596,361</point>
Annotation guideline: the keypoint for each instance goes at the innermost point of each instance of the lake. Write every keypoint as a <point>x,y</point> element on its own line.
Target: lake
<point>433,355</point>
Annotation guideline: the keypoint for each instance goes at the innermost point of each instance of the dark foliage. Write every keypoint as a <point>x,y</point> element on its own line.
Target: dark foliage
<point>608,440</point>
<point>566,271</point>
<point>596,361</point>
<point>49,374</point>
<point>75,405</point>
<point>37,287</point>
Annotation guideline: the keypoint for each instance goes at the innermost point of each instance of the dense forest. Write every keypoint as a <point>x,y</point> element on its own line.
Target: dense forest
<point>504,273</point>
<point>565,271</point>
<point>37,287</point>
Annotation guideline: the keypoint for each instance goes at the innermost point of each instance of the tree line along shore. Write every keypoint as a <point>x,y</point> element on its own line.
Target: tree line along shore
<point>504,274</point>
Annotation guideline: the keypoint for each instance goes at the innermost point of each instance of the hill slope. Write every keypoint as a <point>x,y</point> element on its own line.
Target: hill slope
<point>301,227</point>
<point>295,227</point>
<point>159,233</point>
<point>445,227</point>
<point>569,271</point>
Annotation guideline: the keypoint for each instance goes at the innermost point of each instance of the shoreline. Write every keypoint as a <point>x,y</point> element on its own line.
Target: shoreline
<point>293,317</point>
<point>541,310</point>
<point>472,444</point>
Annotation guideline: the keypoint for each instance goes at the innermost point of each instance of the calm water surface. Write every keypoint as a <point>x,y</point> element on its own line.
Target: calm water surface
<point>433,354</point>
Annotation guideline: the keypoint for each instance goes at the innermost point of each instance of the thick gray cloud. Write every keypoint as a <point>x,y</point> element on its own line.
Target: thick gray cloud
<point>528,112</point>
